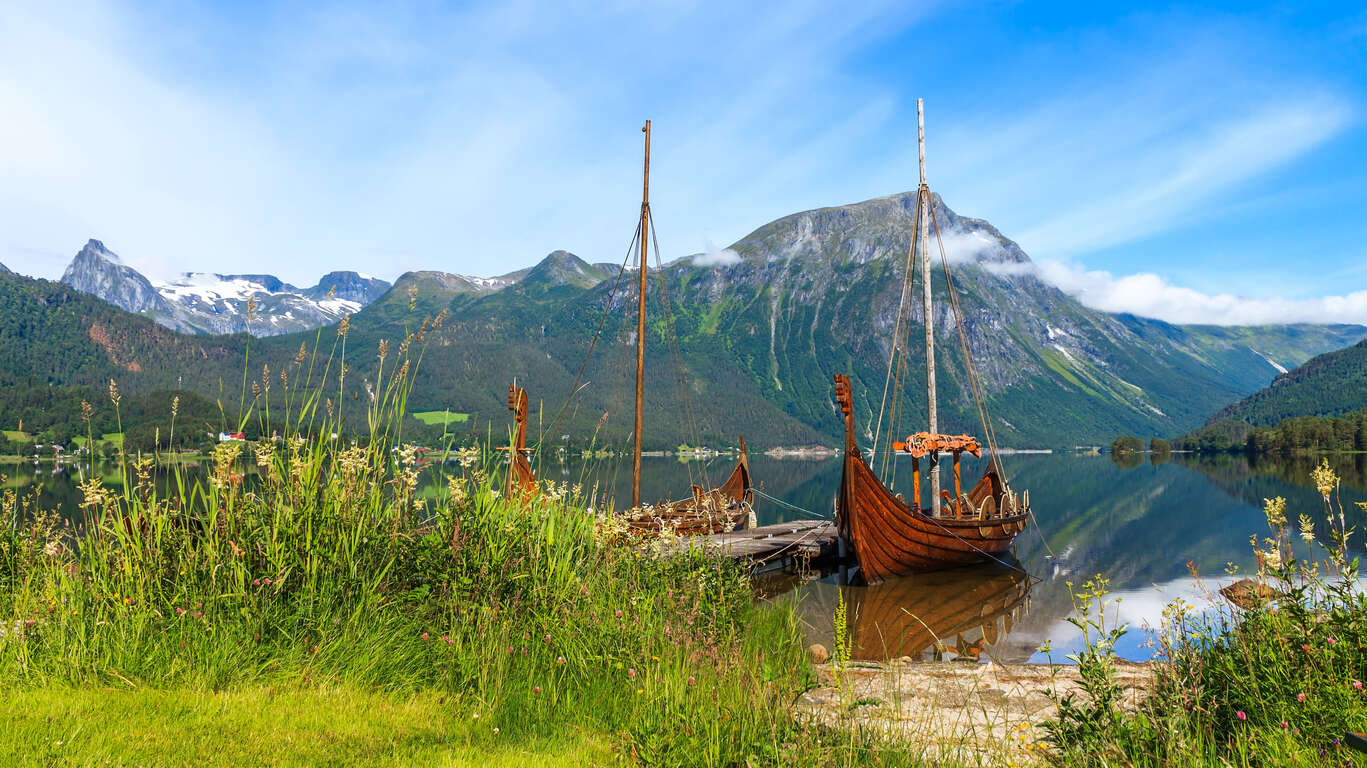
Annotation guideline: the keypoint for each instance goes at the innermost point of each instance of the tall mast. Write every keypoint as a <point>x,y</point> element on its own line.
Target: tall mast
<point>922,244</point>
<point>641,329</point>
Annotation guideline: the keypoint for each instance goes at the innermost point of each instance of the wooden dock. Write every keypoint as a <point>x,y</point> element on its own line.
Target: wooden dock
<point>776,546</point>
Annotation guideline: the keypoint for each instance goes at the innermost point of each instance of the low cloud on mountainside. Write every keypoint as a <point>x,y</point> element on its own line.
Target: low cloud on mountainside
<point>1149,295</point>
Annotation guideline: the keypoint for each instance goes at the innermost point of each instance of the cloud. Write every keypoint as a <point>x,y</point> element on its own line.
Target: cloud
<point>716,258</point>
<point>967,245</point>
<point>1150,295</point>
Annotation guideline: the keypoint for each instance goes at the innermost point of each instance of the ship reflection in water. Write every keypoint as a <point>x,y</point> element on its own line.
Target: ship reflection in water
<point>964,613</point>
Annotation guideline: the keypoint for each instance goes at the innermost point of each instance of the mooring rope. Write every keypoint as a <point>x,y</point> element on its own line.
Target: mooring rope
<point>788,505</point>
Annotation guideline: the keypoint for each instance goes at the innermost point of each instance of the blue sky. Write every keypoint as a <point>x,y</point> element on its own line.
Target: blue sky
<point>1195,164</point>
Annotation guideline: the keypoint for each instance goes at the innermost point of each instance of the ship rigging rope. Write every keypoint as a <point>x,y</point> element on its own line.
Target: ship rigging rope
<point>676,356</point>
<point>602,319</point>
<point>789,505</point>
<point>897,344</point>
<point>976,384</point>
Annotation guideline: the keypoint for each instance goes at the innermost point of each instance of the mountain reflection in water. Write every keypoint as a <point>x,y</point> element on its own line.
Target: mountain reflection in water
<point>1139,525</point>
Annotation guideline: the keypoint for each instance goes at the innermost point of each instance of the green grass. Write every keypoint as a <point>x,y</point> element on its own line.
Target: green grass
<point>15,436</point>
<point>264,726</point>
<point>114,438</point>
<point>331,573</point>
<point>440,418</point>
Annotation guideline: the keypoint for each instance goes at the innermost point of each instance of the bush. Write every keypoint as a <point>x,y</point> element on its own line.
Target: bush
<point>1127,444</point>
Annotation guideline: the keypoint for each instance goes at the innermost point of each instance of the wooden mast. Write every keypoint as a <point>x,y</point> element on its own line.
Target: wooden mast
<point>641,329</point>
<point>922,244</point>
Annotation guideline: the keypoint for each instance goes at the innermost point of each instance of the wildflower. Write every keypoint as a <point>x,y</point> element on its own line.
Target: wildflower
<point>199,614</point>
<point>1240,714</point>
<point>495,731</point>
<point>424,636</point>
<point>640,691</point>
<point>1357,685</point>
<point>619,613</point>
<point>1285,725</point>
<point>446,639</point>
<point>475,716</point>
<point>256,582</point>
<point>1332,641</point>
<point>631,672</point>
<point>1275,510</point>
<point>267,582</point>
<point>691,680</point>
<point>536,689</point>
<point>1307,529</point>
<point>560,660</point>
<point>180,611</point>
<point>1300,697</point>
<point>1305,647</point>
<point>548,639</point>
<point>510,649</point>
<point>1325,479</point>
<point>313,649</point>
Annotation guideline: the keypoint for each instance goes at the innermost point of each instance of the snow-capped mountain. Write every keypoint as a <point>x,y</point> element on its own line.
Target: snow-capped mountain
<point>203,302</point>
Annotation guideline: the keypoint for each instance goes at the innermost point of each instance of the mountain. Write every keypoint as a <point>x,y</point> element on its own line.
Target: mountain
<point>96,270</point>
<point>762,326</point>
<point>201,302</point>
<point>1331,384</point>
<point>748,347</point>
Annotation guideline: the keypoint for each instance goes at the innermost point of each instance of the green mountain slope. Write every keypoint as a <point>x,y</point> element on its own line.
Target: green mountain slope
<point>1332,384</point>
<point>760,328</point>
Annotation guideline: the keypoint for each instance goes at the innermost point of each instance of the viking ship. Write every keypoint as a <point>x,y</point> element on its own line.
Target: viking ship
<point>890,535</point>
<point>520,480</point>
<point>709,510</point>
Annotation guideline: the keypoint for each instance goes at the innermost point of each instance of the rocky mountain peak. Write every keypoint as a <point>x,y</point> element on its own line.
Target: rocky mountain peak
<point>874,229</point>
<point>562,268</point>
<point>348,285</point>
<point>97,270</point>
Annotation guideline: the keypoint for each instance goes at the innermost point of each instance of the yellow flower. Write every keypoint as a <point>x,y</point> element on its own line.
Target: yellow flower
<point>640,690</point>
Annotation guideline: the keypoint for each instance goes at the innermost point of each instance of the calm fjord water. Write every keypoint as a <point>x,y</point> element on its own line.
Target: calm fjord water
<point>1139,525</point>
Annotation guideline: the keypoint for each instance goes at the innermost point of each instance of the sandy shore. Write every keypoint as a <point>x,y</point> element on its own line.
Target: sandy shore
<point>952,708</point>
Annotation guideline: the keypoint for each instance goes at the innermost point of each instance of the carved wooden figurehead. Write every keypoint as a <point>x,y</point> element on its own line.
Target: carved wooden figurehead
<point>842,396</point>
<point>521,478</point>
<point>517,403</point>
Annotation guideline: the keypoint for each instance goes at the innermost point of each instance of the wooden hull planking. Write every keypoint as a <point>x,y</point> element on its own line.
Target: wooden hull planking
<point>890,538</point>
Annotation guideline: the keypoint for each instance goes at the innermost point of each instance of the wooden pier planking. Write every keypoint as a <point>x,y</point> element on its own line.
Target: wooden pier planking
<point>773,546</point>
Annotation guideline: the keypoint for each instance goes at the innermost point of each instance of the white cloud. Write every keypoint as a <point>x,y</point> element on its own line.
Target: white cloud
<point>962,246</point>
<point>716,258</point>
<point>1149,295</point>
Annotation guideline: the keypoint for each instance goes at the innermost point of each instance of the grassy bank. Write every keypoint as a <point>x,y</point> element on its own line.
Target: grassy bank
<point>333,590</point>
<point>263,725</point>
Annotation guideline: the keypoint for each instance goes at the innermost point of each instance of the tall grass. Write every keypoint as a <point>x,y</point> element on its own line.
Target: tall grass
<point>532,614</point>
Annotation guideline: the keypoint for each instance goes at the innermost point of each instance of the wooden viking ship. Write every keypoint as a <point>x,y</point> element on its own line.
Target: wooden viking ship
<point>889,535</point>
<point>709,510</point>
<point>520,480</point>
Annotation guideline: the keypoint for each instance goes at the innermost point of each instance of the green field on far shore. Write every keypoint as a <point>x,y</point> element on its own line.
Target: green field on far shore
<point>441,418</point>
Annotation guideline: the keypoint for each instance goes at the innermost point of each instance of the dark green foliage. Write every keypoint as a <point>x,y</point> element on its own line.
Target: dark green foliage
<point>1127,444</point>
<point>1332,384</point>
<point>1304,434</point>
